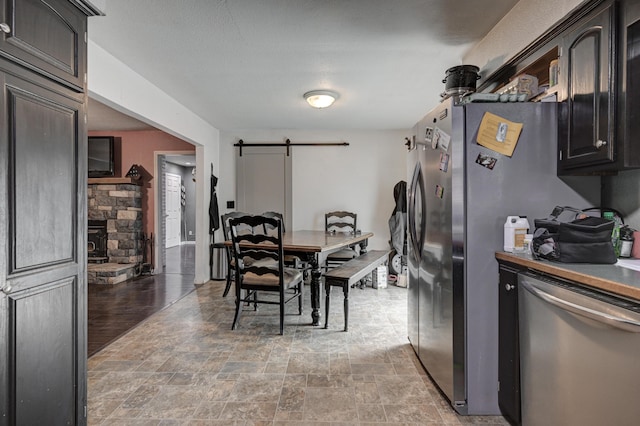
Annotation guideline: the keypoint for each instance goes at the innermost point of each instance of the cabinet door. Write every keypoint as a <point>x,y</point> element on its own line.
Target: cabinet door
<point>42,251</point>
<point>508,345</point>
<point>588,77</point>
<point>48,37</point>
<point>631,92</point>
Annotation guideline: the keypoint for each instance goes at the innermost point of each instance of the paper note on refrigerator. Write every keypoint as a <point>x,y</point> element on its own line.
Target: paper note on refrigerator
<point>498,134</point>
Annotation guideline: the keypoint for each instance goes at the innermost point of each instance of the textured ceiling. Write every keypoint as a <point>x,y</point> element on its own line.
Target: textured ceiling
<point>242,64</point>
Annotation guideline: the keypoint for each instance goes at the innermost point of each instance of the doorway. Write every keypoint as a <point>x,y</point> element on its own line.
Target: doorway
<point>173,214</point>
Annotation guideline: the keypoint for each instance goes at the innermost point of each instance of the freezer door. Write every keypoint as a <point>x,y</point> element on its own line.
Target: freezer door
<point>435,294</point>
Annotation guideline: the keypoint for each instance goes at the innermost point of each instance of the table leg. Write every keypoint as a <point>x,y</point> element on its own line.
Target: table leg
<point>315,293</point>
<point>345,289</point>
<point>327,298</point>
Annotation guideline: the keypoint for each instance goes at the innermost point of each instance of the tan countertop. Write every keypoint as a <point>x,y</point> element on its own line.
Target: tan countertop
<point>610,278</point>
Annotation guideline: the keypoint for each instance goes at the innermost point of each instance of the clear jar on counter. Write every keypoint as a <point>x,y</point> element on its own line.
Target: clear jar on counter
<point>528,244</point>
<point>626,241</point>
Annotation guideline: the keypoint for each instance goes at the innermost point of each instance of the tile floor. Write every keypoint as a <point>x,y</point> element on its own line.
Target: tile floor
<point>185,366</point>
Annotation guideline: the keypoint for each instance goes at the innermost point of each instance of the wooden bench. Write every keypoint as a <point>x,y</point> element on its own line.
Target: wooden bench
<point>349,273</point>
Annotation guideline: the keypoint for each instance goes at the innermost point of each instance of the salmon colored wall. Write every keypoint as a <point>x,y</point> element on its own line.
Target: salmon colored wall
<point>137,147</point>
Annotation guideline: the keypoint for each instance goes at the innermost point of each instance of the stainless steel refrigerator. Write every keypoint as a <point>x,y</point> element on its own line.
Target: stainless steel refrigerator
<point>459,196</point>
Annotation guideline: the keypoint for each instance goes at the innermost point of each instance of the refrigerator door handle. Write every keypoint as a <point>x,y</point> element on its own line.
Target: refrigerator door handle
<point>573,306</point>
<point>416,196</point>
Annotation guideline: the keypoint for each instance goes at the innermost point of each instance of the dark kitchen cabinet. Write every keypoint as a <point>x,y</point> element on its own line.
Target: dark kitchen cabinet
<point>588,76</point>
<point>629,102</point>
<point>46,36</point>
<point>508,344</point>
<point>43,215</point>
<point>598,48</point>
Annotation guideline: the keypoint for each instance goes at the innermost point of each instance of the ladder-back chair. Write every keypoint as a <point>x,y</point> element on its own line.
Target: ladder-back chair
<point>259,266</point>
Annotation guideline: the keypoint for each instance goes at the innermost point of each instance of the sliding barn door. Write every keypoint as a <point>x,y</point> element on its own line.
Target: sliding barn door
<point>263,179</point>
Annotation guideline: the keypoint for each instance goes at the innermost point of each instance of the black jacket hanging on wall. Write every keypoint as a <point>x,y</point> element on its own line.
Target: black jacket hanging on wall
<point>398,219</point>
<point>214,216</point>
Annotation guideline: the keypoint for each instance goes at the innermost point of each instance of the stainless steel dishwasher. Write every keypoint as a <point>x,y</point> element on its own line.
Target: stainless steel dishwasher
<point>579,353</point>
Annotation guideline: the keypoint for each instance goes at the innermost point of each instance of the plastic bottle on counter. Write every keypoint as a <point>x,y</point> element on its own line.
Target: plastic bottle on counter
<point>615,234</point>
<point>515,230</point>
<point>635,250</point>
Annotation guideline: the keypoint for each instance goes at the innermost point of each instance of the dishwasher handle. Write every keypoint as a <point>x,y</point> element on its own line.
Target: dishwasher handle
<point>618,322</point>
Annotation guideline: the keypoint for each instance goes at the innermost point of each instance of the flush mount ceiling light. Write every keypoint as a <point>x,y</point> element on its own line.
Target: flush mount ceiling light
<point>320,98</point>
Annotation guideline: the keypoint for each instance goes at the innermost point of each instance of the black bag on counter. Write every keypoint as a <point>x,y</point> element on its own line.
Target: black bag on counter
<point>582,240</point>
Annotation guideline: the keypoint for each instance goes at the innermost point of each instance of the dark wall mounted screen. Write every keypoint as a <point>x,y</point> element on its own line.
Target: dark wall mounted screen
<point>101,156</point>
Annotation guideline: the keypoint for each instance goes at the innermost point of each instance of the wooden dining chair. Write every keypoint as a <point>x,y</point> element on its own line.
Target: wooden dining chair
<point>259,266</point>
<point>341,222</point>
<point>290,260</point>
<point>274,215</point>
<point>224,220</point>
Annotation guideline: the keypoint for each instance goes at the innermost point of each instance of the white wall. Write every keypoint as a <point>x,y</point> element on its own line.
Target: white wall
<point>118,86</point>
<point>358,178</point>
<point>622,192</point>
<point>527,21</point>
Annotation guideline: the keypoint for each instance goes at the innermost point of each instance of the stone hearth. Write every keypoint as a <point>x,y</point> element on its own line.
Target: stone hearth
<point>118,201</point>
<point>110,273</point>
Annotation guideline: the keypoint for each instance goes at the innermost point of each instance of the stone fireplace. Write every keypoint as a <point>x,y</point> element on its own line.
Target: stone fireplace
<point>97,241</point>
<point>115,235</point>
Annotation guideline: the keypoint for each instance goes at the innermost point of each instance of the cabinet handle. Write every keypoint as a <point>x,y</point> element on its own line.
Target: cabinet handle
<point>509,287</point>
<point>600,143</point>
<point>5,289</point>
<point>5,28</point>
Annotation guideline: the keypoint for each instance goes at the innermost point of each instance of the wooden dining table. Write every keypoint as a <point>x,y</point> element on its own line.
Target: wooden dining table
<point>314,247</point>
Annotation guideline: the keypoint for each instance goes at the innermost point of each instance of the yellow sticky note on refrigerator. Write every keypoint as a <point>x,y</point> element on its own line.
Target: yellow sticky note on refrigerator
<point>498,134</point>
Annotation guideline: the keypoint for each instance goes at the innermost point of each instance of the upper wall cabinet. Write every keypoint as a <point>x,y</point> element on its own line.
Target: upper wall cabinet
<point>587,77</point>
<point>629,102</point>
<point>598,48</point>
<point>47,37</point>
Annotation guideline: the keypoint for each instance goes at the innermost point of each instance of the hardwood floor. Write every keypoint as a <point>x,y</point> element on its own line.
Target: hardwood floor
<point>114,310</point>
